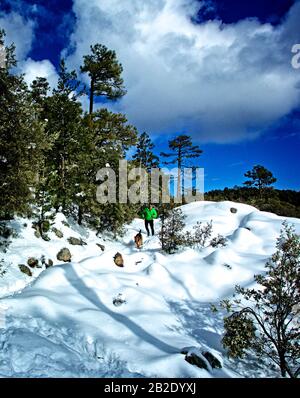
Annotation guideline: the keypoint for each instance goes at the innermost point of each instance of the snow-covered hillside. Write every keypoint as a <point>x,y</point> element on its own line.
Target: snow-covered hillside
<point>62,321</point>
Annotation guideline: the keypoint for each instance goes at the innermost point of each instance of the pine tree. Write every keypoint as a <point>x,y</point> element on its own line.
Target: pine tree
<point>42,209</point>
<point>266,320</point>
<point>144,155</point>
<point>104,72</point>
<point>171,234</point>
<point>261,178</point>
<point>22,140</point>
<point>107,140</point>
<point>145,159</point>
<point>65,129</point>
<point>182,149</point>
<point>39,90</point>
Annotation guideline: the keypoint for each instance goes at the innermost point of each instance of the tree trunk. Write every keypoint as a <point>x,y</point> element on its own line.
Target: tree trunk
<point>92,96</point>
<point>283,371</point>
<point>282,364</point>
<point>80,215</point>
<point>260,189</point>
<point>179,177</point>
<point>62,182</point>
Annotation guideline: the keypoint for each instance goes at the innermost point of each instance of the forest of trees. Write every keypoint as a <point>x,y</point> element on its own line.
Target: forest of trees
<point>51,150</point>
<point>258,191</point>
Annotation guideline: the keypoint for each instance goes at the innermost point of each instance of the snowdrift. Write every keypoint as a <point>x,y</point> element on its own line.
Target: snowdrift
<point>89,318</point>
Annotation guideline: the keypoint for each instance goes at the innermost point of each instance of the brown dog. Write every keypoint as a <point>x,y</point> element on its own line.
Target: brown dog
<point>138,239</point>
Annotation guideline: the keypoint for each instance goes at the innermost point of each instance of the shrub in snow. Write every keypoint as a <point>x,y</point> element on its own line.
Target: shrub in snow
<point>42,212</point>
<point>119,300</point>
<point>267,320</point>
<point>3,267</point>
<point>111,218</point>
<point>6,234</point>
<point>45,226</point>
<point>171,234</point>
<point>202,233</point>
<point>218,241</point>
<point>200,236</point>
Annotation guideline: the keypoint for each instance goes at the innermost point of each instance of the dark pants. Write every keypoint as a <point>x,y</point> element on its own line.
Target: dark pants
<point>151,223</point>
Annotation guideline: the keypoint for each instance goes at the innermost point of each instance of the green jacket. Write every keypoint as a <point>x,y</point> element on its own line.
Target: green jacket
<point>148,214</point>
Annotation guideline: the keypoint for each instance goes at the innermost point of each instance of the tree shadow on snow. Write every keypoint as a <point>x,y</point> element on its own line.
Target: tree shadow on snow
<point>207,328</point>
<point>93,298</point>
<point>199,322</point>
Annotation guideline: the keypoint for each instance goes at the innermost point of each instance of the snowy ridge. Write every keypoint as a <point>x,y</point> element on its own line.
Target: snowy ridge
<point>64,323</point>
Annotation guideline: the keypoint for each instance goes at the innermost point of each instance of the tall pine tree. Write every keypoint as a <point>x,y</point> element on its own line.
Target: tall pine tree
<point>144,156</point>
<point>104,72</point>
<point>22,140</point>
<point>260,178</point>
<point>182,149</point>
<point>64,127</point>
<point>106,141</point>
<point>146,160</point>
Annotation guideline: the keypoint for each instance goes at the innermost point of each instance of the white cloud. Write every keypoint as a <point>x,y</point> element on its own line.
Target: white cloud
<point>19,31</point>
<point>221,83</point>
<point>34,69</point>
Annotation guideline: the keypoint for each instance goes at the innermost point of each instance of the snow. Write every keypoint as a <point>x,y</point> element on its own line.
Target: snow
<point>62,322</point>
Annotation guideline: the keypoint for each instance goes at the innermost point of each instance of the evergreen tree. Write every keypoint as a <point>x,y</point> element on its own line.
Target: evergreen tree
<point>144,155</point>
<point>65,130</point>
<point>146,160</point>
<point>107,140</point>
<point>267,319</point>
<point>171,234</point>
<point>104,72</point>
<point>182,149</point>
<point>42,208</point>
<point>39,90</point>
<point>261,178</point>
<point>22,140</point>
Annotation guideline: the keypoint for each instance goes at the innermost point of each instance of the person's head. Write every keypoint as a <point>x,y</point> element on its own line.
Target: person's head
<point>150,207</point>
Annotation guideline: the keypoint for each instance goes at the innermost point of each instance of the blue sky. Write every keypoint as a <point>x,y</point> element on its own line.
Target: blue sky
<point>218,70</point>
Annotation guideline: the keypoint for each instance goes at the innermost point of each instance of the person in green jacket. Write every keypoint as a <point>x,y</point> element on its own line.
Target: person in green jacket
<point>149,214</point>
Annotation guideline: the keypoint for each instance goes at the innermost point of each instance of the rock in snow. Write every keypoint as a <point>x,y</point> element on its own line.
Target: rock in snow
<point>64,255</point>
